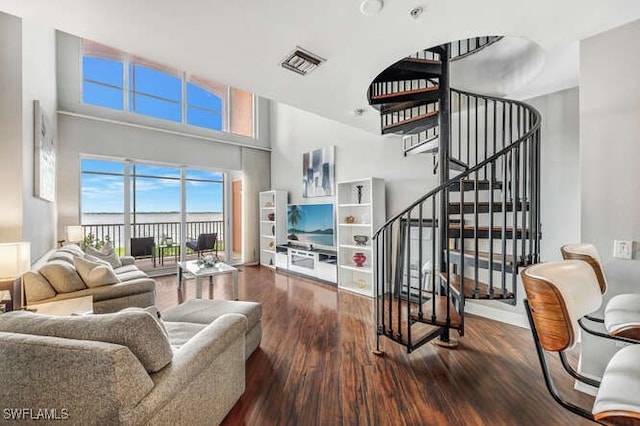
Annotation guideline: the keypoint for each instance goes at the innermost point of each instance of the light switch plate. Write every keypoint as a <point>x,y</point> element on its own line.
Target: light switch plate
<point>622,249</point>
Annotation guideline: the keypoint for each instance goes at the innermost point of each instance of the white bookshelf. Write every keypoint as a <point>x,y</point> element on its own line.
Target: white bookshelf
<point>367,215</point>
<point>273,224</point>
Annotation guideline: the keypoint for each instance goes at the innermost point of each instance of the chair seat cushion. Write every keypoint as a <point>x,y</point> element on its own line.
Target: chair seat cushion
<point>203,311</point>
<point>622,315</point>
<point>620,388</point>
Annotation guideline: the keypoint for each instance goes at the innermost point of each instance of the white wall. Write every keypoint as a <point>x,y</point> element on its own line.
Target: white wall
<point>358,154</point>
<point>10,129</point>
<point>38,82</point>
<point>27,64</point>
<point>610,129</point>
<point>560,170</point>
<point>609,153</point>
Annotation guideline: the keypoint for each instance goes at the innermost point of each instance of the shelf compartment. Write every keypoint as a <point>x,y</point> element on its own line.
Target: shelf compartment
<point>363,269</point>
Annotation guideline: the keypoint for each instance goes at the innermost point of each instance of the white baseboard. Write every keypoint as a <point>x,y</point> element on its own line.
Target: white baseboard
<point>481,309</point>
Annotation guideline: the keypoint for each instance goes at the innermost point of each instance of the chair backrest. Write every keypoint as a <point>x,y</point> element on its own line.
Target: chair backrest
<point>589,254</point>
<point>559,294</point>
<point>142,246</point>
<point>207,241</point>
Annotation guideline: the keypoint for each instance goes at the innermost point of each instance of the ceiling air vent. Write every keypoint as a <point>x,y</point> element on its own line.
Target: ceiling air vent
<point>301,61</point>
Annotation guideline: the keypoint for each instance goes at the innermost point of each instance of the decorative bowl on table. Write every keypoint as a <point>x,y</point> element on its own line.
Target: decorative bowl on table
<point>360,240</point>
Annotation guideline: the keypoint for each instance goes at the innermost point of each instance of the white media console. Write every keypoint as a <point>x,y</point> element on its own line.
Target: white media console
<point>311,262</point>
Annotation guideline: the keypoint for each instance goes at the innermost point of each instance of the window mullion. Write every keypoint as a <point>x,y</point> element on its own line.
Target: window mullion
<point>226,110</point>
<point>184,97</point>
<point>125,71</point>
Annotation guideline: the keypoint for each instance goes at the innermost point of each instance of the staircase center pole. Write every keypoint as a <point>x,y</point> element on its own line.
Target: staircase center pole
<point>444,129</point>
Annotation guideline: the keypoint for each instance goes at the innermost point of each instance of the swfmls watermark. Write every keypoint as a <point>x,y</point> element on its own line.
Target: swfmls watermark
<point>35,414</point>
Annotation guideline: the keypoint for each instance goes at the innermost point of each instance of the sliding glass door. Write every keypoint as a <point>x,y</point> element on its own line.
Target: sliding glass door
<point>167,211</point>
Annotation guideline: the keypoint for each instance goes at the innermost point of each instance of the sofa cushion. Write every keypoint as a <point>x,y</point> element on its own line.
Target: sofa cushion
<point>131,275</point>
<point>36,287</point>
<point>95,274</point>
<point>179,333</point>
<point>203,311</point>
<point>107,253</point>
<point>62,276</point>
<point>136,329</point>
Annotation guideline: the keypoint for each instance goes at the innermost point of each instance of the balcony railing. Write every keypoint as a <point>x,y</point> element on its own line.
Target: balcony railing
<point>114,232</point>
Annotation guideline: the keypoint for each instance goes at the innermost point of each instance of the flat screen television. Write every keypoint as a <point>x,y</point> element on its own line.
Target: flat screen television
<point>311,224</point>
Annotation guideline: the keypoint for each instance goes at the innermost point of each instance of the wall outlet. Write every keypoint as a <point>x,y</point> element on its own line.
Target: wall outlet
<point>622,249</point>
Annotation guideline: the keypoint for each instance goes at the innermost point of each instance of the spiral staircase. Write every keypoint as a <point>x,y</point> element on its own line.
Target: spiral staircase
<point>468,237</point>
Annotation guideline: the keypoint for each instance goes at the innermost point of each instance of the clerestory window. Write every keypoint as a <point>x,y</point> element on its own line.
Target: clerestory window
<point>159,91</point>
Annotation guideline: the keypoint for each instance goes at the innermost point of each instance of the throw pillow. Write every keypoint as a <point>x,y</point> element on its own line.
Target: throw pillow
<point>96,259</point>
<point>62,276</point>
<point>107,253</point>
<point>135,330</point>
<point>72,248</point>
<point>95,274</point>
<point>61,255</point>
<point>36,287</point>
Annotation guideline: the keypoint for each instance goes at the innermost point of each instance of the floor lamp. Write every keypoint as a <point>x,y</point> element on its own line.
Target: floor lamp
<point>15,259</point>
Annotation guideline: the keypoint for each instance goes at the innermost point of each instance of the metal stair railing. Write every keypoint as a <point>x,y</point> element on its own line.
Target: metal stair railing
<point>499,139</point>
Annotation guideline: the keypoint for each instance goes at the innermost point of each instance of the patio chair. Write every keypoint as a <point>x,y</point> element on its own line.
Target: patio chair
<point>144,247</point>
<point>205,242</point>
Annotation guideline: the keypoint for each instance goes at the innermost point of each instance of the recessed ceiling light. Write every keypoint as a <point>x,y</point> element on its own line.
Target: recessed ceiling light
<point>371,7</point>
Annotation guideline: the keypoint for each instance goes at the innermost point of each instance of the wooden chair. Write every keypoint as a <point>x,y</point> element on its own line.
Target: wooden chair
<point>144,247</point>
<point>622,312</point>
<point>205,242</point>
<point>558,294</point>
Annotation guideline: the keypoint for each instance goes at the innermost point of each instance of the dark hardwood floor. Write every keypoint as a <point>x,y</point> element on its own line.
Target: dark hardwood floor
<point>315,365</point>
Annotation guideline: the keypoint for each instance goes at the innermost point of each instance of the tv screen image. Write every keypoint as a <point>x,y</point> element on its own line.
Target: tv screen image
<point>311,224</point>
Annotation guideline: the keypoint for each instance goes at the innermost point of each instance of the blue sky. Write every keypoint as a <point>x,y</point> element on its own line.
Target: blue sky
<point>158,193</point>
<point>153,93</point>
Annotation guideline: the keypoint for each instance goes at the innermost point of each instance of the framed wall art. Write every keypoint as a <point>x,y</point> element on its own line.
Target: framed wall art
<point>318,172</point>
<point>44,155</point>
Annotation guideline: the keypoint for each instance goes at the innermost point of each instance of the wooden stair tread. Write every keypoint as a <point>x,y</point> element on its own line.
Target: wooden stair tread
<point>390,108</point>
<point>421,328</point>
<point>441,313</point>
<point>483,206</point>
<point>487,228</point>
<point>406,92</point>
<point>469,185</point>
<point>422,61</point>
<point>411,120</point>
<point>484,256</point>
<point>469,286</point>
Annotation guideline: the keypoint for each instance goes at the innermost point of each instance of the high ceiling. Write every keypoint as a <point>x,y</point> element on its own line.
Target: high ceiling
<point>242,42</point>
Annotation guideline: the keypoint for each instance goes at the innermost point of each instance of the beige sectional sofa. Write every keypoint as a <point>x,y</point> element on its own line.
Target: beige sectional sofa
<point>122,368</point>
<point>69,272</point>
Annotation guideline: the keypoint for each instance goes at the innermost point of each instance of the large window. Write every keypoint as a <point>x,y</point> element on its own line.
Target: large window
<point>102,82</point>
<point>162,92</point>
<point>155,203</point>
<point>155,93</point>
